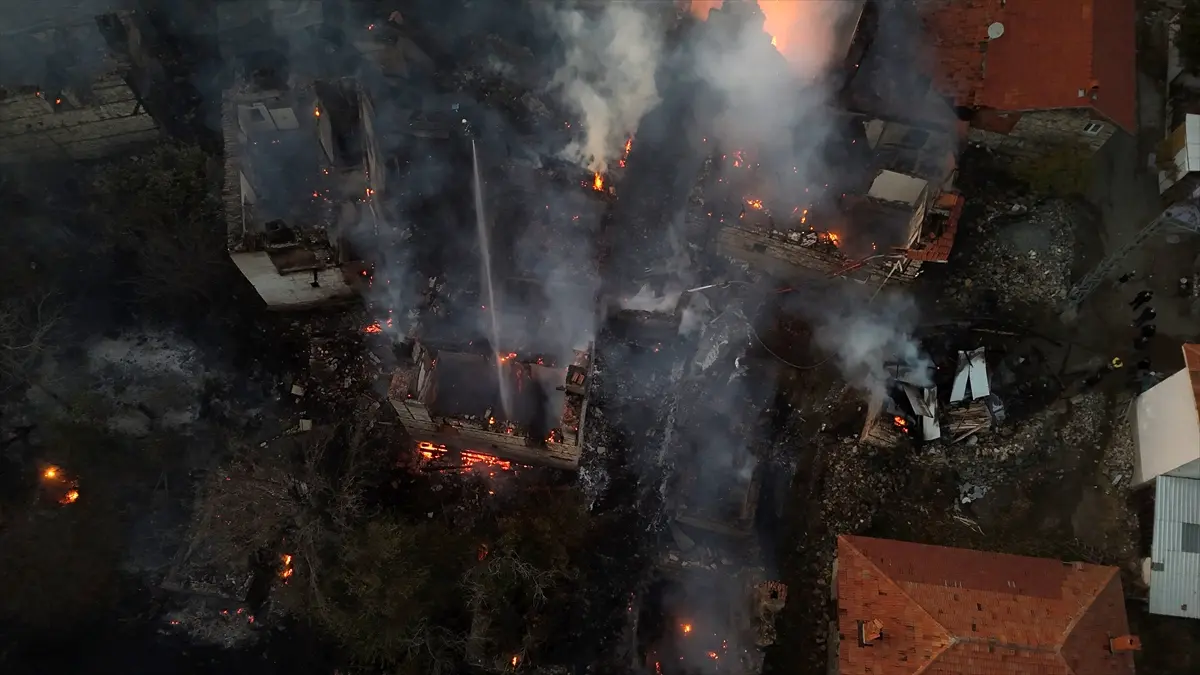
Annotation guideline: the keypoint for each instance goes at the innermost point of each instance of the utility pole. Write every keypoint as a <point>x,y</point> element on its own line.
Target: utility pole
<point>1184,216</point>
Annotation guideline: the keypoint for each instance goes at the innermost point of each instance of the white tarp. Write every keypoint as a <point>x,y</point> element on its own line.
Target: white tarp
<point>971,376</point>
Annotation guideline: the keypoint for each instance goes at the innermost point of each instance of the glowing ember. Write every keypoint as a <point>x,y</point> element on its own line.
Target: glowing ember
<point>900,422</point>
<point>686,628</point>
<point>713,656</point>
<point>377,327</point>
<point>598,183</point>
<point>515,660</point>
<point>316,112</point>
<point>834,239</point>
<point>71,497</point>
<point>287,570</point>
<point>738,159</point>
<point>50,473</point>
<point>755,204</point>
<point>774,41</point>
<point>469,458</point>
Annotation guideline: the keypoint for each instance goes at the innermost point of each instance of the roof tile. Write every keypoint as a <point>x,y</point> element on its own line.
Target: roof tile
<point>1087,44</point>
<point>952,611</point>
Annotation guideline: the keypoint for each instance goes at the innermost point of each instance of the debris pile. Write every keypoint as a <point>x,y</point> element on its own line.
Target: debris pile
<point>1018,261</point>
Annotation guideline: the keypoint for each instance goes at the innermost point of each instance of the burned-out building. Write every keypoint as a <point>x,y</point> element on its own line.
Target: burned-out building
<point>292,200</point>
<point>68,87</point>
<point>456,402</point>
<point>884,234</point>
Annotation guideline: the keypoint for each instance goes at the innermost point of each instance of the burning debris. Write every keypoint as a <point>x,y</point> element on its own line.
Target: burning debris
<point>58,486</point>
<point>453,399</point>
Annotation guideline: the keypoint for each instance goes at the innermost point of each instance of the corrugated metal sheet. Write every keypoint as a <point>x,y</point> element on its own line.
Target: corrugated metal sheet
<point>1175,579</point>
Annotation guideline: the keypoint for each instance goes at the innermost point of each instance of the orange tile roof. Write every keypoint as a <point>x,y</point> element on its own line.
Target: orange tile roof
<point>1050,50</point>
<point>948,611</point>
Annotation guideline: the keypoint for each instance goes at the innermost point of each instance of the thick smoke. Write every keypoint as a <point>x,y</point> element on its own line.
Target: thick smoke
<point>777,95</point>
<point>607,78</point>
<point>871,338</point>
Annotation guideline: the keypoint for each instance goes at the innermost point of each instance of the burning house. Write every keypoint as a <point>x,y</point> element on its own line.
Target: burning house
<point>492,409</point>
<point>883,234</point>
<point>68,88</point>
<point>293,192</point>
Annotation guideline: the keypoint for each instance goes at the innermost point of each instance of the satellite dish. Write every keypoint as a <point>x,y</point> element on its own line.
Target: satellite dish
<point>995,30</point>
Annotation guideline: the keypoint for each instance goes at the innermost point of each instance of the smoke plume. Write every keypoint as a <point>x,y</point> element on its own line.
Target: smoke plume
<point>607,78</point>
<point>867,335</point>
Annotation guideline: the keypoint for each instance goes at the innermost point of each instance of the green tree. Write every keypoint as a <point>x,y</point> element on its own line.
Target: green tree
<point>160,214</point>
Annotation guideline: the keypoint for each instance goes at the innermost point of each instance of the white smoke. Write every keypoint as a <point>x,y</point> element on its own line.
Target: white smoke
<point>647,300</point>
<point>776,104</point>
<point>866,336</point>
<point>607,78</point>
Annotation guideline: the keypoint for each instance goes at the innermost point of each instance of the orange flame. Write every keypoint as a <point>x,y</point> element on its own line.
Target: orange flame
<point>835,239</point>
<point>469,458</point>
<point>686,628</point>
<point>71,497</point>
<point>287,571</point>
<point>900,422</point>
<point>515,660</point>
<point>598,183</point>
<point>625,154</point>
<point>755,204</point>
<point>713,656</point>
<point>50,473</point>
<point>805,33</point>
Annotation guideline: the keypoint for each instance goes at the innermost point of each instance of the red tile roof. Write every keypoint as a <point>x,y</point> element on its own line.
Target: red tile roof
<point>1050,50</point>
<point>948,611</point>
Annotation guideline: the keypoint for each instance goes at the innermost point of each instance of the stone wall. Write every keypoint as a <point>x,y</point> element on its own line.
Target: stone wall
<point>108,120</point>
<point>1041,131</point>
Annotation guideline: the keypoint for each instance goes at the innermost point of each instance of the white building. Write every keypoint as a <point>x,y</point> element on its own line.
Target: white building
<point>1167,425</point>
<point>1166,422</point>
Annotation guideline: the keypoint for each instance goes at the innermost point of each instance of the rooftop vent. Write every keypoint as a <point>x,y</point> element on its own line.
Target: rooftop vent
<point>1125,644</point>
<point>870,632</point>
<point>995,30</point>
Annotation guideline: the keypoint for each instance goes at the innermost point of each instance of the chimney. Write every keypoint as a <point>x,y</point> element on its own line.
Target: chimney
<point>1125,644</point>
<point>870,632</point>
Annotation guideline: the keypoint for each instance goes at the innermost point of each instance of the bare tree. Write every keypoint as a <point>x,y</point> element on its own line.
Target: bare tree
<point>26,325</point>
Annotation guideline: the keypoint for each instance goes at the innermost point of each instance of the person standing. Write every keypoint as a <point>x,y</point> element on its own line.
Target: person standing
<point>1141,342</point>
<point>1141,298</point>
<point>1149,330</point>
<point>1126,278</point>
<point>1145,317</point>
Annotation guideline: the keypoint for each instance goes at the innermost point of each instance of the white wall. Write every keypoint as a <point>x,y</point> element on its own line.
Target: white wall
<point>1166,429</point>
<point>290,291</point>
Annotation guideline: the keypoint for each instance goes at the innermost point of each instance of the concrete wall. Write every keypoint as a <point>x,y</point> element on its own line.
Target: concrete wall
<point>1041,130</point>
<point>1166,429</point>
<point>110,121</point>
<point>291,291</point>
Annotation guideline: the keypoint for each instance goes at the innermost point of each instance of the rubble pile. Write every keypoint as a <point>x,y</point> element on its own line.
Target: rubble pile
<point>1018,261</point>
